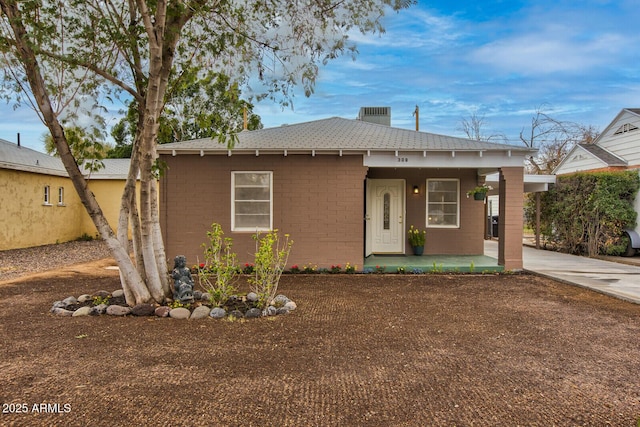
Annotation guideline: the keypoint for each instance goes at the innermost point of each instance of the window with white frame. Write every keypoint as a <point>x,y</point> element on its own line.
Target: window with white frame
<point>60,196</point>
<point>443,203</point>
<point>251,201</point>
<point>47,195</point>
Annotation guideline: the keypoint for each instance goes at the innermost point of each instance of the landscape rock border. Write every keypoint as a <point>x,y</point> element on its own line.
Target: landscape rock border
<point>84,306</point>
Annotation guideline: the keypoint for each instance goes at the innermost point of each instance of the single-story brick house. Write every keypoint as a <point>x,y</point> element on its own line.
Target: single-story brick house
<point>342,189</point>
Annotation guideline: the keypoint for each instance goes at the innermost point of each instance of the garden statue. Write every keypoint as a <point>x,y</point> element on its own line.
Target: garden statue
<point>182,281</point>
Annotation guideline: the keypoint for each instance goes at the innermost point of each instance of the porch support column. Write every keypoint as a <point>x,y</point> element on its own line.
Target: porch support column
<point>511,223</point>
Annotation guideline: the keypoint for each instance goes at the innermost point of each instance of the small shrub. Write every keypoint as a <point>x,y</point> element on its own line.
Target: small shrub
<point>295,269</point>
<point>97,300</point>
<point>219,271</point>
<point>310,269</point>
<point>271,257</point>
<point>335,269</point>
<point>350,269</point>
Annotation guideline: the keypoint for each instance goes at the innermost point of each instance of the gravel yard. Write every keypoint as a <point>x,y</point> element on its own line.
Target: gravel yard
<point>360,350</point>
<point>20,262</point>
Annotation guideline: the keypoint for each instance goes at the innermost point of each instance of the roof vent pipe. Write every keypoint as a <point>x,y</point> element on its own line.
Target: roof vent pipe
<point>18,139</point>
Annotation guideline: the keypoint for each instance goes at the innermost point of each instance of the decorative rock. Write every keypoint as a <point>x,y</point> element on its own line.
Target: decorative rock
<point>84,298</point>
<point>58,311</point>
<point>280,300</point>
<point>269,311</point>
<point>206,296</point>
<point>180,313</point>
<point>118,310</point>
<point>58,304</point>
<point>118,293</point>
<point>218,313</point>
<point>102,294</point>
<point>237,314</point>
<point>282,310</point>
<point>201,312</point>
<point>82,311</point>
<point>143,310</point>
<point>252,313</point>
<point>197,295</point>
<point>98,309</point>
<point>162,311</point>
<point>290,306</point>
<point>252,297</point>
<point>69,301</point>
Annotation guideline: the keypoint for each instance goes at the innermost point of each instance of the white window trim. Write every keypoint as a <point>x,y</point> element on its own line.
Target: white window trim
<point>233,203</point>
<point>61,196</point>
<point>457,225</point>
<point>47,196</point>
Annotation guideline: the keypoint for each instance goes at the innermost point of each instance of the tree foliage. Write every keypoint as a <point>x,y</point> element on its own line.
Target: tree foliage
<point>586,213</point>
<point>554,139</point>
<point>207,107</point>
<point>66,58</point>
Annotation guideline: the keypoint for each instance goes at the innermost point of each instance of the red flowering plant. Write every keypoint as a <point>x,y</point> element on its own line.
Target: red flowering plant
<point>295,269</point>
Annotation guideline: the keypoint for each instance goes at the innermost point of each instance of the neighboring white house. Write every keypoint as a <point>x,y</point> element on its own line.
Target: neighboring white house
<point>617,148</point>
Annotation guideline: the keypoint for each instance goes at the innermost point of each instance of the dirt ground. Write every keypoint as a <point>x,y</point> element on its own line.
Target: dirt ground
<point>360,350</point>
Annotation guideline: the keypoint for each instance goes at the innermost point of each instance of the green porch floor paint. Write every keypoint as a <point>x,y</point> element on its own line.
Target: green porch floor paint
<point>434,263</point>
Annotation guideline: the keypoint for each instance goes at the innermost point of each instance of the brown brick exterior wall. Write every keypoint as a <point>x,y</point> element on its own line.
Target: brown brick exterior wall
<point>468,239</point>
<point>318,200</point>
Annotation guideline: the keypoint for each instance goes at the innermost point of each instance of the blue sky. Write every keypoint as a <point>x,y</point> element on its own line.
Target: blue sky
<point>499,59</point>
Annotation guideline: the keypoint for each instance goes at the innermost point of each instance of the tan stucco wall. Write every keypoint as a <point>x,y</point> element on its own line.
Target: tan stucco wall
<point>25,221</point>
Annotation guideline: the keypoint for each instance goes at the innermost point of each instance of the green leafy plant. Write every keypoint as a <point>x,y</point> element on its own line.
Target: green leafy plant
<point>309,269</point>
<point>179,304</point>
<point>586,213</point>
<point>219,271</point>
<point>98,300</point>
<point>272,254</point>
<point>350,269</point>
<point>481,189</point>
<point>417,237</point>
<point>295,269</point>
<point>335,269</point>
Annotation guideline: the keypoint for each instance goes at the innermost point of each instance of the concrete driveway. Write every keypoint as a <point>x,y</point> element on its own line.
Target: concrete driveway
<point>605,276</point>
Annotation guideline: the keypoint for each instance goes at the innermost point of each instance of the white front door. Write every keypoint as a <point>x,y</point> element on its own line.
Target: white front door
<point>385,216</point>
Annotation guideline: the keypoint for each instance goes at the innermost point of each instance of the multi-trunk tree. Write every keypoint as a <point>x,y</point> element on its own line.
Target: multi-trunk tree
<point>64,56</point>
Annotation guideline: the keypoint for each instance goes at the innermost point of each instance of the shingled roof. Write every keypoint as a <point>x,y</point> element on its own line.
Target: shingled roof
<point>16,157</point>
<point>335,134</point>
<point>603,155</point>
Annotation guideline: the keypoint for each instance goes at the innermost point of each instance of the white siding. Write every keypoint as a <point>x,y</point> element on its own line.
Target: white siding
<point>625,145</point>
<point>579,160</point>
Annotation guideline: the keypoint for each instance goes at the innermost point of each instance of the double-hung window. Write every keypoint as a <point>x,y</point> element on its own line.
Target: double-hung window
<point>60,196</point>
<point>47,195</point>
<point>251,201</point>
<point>443,203</point>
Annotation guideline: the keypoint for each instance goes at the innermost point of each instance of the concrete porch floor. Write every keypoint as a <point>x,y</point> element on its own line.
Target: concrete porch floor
<point>433,263</point>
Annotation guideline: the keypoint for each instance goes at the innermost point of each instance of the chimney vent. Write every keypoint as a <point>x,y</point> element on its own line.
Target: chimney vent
<point>379,115</point>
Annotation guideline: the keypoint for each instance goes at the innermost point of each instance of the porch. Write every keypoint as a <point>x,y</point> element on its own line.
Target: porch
<point>433,263</point>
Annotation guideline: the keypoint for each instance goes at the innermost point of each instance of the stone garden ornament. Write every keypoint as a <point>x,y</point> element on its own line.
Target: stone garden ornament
<point>182,281</point>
